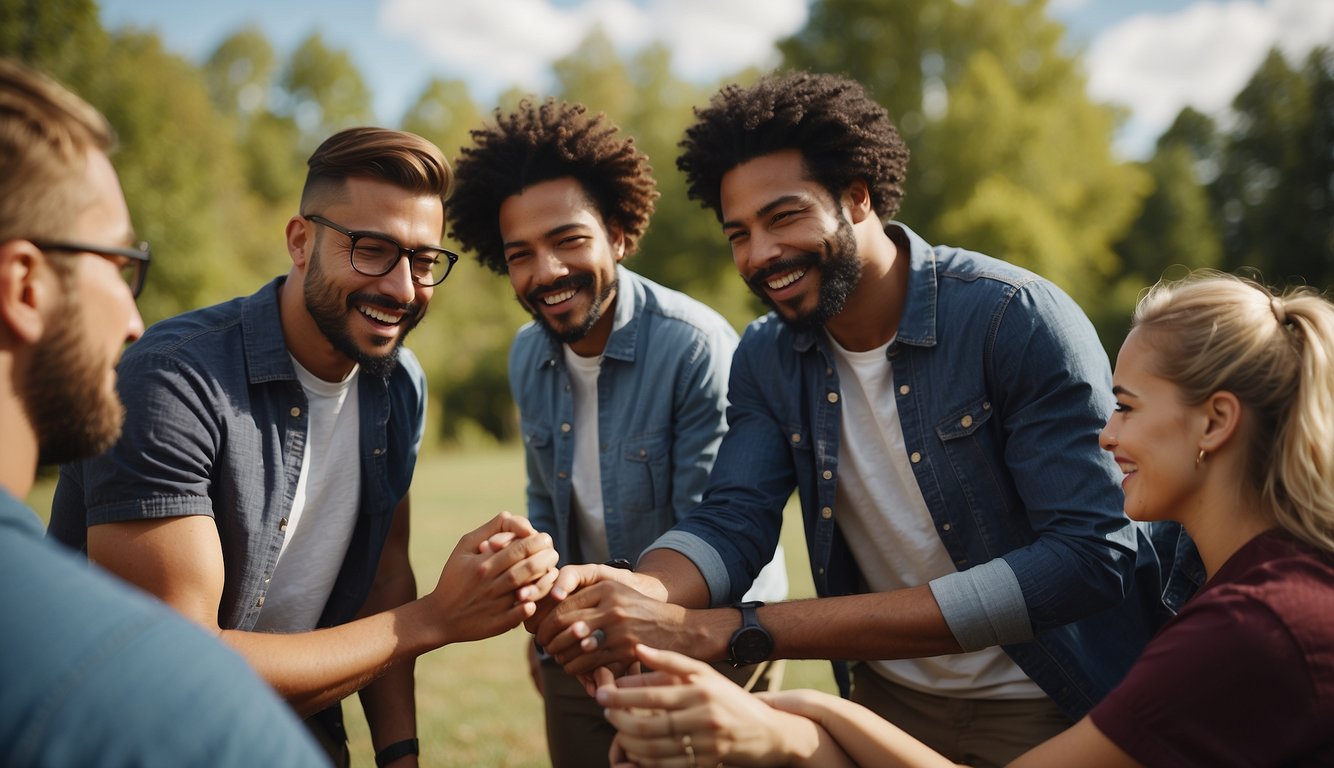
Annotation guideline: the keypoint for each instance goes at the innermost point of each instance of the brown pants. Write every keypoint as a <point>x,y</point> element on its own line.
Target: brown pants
<point>578,736</point>
<point>977,732</point>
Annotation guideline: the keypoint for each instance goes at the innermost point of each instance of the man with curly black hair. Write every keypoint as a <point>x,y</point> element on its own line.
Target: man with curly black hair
<point>621,383</point>
<point>937,412</point>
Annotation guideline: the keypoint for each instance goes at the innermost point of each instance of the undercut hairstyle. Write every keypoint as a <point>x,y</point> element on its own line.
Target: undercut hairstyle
<point>402,159</point>
<point>46,133</point>
<point>1216,332</point>
<point>541,142</point>
<point>842,134</point>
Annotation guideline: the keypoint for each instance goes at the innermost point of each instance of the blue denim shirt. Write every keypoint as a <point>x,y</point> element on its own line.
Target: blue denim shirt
<point>95,672</point>
<point>661,401</point>
<point>216,424</point>
<point>1002,388</point>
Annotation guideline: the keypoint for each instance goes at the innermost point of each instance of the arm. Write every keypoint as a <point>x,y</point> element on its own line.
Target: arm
<point>180,560</point>
<point>699,417</point>
<point>389,703</point>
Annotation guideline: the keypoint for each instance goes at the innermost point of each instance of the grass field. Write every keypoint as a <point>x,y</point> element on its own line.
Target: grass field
<point>475,703</point>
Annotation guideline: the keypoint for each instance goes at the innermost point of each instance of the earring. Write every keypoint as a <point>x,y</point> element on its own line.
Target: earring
<point>1199,459</point>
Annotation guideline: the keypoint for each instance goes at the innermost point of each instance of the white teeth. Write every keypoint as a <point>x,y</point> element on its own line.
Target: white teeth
<point>557,298</point>
<point>785,280</point>
<point>1129,468</point>
<point>375,314</point>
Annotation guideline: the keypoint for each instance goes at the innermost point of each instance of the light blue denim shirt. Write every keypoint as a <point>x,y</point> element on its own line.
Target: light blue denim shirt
<point>1002,388</point>
<point>216,424</point>
<point>661,395</point>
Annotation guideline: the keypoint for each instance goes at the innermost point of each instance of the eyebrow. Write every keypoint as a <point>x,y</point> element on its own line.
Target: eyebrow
<point>768,208</point>
<point>1120,390</point>
<point>560,230</point>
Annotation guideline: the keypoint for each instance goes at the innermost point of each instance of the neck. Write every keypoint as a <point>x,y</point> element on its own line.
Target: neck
<point>20,458</point>
<point>1224,515</point>
<point>595,341</point>
<point>870,318</point>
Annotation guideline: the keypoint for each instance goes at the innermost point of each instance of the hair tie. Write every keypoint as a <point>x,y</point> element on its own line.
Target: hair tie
<point>1280,314</point>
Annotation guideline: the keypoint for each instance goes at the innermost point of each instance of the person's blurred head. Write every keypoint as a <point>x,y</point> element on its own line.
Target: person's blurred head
<point>555,198</point>
<point>371,196</point>
<point>1213,336</point>
<point>66,253</point>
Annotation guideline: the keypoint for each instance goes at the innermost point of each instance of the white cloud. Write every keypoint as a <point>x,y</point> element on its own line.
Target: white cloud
<point>498,43</point>
<point>1201,56</point>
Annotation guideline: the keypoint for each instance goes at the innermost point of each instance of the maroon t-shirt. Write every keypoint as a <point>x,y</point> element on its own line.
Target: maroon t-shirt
<point>1244,674</point>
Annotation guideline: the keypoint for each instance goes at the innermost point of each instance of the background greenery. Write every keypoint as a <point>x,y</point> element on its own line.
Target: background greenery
<point>476,705</point>
<point>1010,157</point>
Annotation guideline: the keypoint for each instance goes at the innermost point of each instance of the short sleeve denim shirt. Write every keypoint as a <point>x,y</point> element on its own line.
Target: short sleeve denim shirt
<point>216,424</point>
<point>1002,387</point>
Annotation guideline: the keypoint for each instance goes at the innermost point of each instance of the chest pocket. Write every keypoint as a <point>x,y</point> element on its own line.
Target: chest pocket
<point>974,452</point>
<point>644,482</point>
<point>538,444</point>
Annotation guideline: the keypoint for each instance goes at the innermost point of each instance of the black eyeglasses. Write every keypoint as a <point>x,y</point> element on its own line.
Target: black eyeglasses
<point>373,255</point>
<point>132,262</point>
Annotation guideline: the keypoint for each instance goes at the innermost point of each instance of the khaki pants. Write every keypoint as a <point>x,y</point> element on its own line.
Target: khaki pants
<point>977,732</point>
<point>578,736</point>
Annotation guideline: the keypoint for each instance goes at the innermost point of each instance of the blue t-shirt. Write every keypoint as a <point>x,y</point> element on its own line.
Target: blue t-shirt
<point>93,672</point>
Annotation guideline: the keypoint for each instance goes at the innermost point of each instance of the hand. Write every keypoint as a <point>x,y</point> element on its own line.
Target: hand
<point>572,578</point>
<point>520,528</point>
<point>685,707</point>
<point>481,595</point>
<point>599,625</point>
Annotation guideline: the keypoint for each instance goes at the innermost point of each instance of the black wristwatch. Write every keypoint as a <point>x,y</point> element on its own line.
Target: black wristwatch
<point>752,643</point>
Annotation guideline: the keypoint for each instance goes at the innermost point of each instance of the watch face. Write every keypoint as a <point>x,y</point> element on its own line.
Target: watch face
<point>752,645</point>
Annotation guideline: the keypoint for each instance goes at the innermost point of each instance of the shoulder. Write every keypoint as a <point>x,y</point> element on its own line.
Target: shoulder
<point>408,373</point>
<point>668,308</point>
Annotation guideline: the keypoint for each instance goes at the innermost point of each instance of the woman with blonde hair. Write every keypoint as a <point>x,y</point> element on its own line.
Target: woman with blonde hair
<point>1223,422</point>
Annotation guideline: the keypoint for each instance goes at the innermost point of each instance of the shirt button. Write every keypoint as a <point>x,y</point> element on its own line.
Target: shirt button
<point>903,389</point>
<point>826,513</point>
<point>562,475</point>
<point>916,457</point>
<point>642,453</point>
<point>829,371</point>
<point>296,411</point>
<point>282,524</point>
<point>378,451</point>
<point>986,406</point>
<point>966,422</point>
<point>828,475</point>
<point>796,438</point>
<point>832,397</point>
<point>260,602</point>
<point>821,571</point>
<point>945,527</point>
<point>565,427</point>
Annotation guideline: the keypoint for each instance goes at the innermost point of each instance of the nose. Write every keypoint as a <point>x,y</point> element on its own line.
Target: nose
<point>757,251</point>
<point>549,268</point>
<point>397,283</point>
<point>1107,435</point>
<point>134,326</point>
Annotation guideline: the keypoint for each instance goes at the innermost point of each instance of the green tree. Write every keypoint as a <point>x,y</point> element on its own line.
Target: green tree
<point>325,92</point>
<point>444,113</point>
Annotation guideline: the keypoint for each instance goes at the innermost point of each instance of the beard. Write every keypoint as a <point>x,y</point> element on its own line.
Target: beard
<point>573,333</point>
<point>74,412</point>
<point>330,313</point>
<point>840,272</point>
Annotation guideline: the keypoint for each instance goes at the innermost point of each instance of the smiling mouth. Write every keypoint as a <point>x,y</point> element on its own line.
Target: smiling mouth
<point>553,299</point>
<point>783,281</point>
<point>380,316</point>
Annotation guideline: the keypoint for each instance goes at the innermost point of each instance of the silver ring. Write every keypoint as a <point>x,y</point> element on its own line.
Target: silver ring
<point>599,637</point>
<point>689,748</point>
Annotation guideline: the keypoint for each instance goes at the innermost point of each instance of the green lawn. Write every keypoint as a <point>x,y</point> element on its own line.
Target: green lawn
<point>475,703</point>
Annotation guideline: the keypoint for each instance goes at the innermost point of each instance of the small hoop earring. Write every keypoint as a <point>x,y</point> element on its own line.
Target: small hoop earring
<point>1199,459</point>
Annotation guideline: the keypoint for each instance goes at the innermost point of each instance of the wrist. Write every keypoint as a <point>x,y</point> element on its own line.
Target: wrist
<point>394,753</point>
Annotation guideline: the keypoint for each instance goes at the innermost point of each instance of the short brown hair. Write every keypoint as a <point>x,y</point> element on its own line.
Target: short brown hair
<point>400,158</point>
<point>46,132</point>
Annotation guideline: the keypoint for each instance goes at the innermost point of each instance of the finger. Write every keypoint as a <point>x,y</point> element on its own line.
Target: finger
<point>572,578</point>
<point>533,556</point>
<point>496,542</point>
<point>603,678</point>
<point>671,661</point>
<point>539,589</point>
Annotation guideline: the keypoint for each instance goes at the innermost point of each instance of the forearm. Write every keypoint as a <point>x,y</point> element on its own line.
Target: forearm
<point>670,576</point>
<point>861,735</point>
<point>313,670</point>
<point>902,624</point>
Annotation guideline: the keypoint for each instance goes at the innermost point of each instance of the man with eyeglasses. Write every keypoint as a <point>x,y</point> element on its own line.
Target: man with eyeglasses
<point>93,672</point>
<point>261,486</point>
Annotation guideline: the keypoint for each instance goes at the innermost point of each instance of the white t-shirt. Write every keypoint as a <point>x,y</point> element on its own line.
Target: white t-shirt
<point>881,512</point>
<point>324,509</point>
<point>590,522</point>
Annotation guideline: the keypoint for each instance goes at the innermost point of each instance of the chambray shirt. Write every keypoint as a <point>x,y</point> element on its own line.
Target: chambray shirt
<point>661,403</point>
<point>216,424</point>
<point>1002,388</point>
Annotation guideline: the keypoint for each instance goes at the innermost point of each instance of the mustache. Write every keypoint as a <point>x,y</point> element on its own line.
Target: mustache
<point>576,282</point>
<point>802,261</point>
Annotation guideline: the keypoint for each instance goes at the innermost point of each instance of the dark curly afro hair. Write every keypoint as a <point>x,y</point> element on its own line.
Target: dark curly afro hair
<point>543,142</point>
<point>841,132</point>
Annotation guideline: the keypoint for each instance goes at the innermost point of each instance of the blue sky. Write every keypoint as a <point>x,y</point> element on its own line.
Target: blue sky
<point>1151,56</point>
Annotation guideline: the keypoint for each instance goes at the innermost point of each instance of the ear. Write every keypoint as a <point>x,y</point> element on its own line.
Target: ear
<point>300,240</point>
<point>1222,419</point>
<point>22,291</point>
<point>617,239</point>
<point>857,201</point>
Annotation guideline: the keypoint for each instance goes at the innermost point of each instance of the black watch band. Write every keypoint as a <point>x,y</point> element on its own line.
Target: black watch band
<point>752,643</point>
<point>396,750</point>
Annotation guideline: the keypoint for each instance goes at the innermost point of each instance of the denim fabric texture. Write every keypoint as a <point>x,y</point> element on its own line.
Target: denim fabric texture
<point>1002,387</point>
<point>216,424</point>
<point>661,402</point>
<point>96,673</point>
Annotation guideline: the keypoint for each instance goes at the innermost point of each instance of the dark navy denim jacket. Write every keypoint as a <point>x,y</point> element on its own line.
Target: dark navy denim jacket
<point>216,425</point>
<point>1002,388</point>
